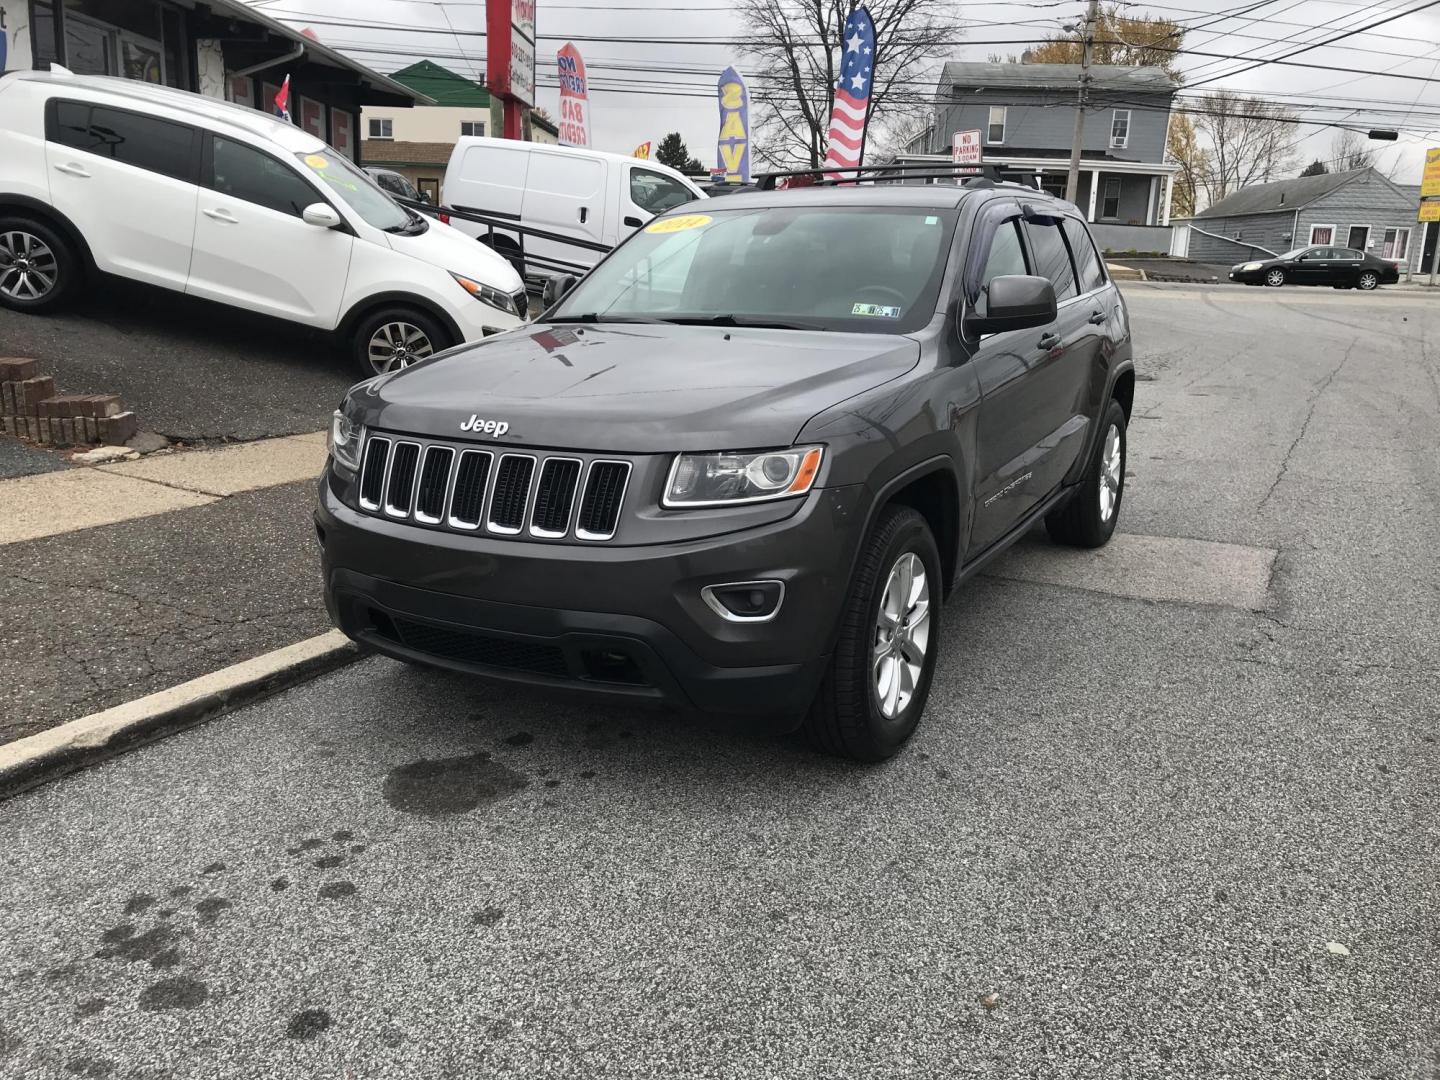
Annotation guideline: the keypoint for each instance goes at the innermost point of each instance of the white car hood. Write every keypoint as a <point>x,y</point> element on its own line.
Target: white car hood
<point>452,250</point>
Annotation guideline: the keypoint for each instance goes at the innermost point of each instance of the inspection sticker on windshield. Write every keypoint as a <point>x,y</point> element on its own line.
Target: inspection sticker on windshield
<point>877,310</point>
<point>316,161</point>
<point>683,223</point>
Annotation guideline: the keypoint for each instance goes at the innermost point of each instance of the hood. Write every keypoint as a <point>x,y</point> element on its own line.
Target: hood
<point>450,249</point>
<point>637,388</point>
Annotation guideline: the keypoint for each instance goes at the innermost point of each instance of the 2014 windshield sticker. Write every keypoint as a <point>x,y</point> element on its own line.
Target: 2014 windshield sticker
<point>683,223</point>
<point>878,311</point>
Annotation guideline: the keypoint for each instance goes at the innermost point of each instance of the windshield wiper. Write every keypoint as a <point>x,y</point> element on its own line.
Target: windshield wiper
<point>413,225</point>
<point>596,317</point>
<point>732,320</point>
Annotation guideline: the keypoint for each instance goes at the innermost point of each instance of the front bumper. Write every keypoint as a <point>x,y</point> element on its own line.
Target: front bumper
<point>605,619</point>
<point>1247,277</point>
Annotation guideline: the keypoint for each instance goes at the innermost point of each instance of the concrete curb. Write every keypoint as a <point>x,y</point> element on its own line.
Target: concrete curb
<point>51,754</point>
<point>1125,273</point>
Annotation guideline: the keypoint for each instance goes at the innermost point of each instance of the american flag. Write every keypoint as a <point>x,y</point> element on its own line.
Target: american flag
<point>852,93</point>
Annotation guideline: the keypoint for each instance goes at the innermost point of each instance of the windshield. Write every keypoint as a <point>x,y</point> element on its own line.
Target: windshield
<point>1294,254</point>
<point>872,269</point>
<point>344,180</point>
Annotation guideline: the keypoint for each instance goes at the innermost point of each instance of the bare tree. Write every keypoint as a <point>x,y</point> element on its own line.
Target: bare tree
<point>795,47</point>
<point>1246,141</point>
<point>1350,150</point>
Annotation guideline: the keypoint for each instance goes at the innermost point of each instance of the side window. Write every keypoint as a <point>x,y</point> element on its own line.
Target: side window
<point>995,128</point>
<point>142,141</point>
<point>1052,258</point>
<point>245,173</point>
<point>655,192</point>
<point>1006,256</point>
<point>1087,260</point>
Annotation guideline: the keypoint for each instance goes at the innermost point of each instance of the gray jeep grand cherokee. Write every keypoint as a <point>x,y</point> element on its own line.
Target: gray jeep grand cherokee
<point>741,464</point>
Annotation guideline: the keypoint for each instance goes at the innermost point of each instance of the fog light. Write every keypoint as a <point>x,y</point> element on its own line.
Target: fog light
<point>745,601</point>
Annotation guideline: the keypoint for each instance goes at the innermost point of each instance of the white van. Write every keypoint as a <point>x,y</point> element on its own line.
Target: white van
<point>231,205</point>
<point>570,190</point>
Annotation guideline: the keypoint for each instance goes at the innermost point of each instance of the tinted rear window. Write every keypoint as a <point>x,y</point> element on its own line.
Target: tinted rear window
<point>1087,260</point>
<point>145,142</point>
<point>1052,258</point>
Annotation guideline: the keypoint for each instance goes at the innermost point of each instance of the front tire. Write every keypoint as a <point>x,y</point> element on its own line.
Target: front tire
<point>1368,280</point>
<point>38,268</point>
<point>394,338</point>
<point>1088,517</point>
<point>875,689</point>
<point>1275,278</point>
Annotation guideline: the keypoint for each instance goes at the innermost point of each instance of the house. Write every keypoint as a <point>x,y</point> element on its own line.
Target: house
<point>417,142</point>
<point>1025,114</point>
<point>1358,209</point>
<point>220,48</point>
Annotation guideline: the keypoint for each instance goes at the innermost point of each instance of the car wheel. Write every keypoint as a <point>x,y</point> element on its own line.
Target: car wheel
<point>1368,280</point>
<point>395,338</point>
<point>1275,278</point>
<point>879,676</point>
<point>1088,517</point>
<point>38,269</point>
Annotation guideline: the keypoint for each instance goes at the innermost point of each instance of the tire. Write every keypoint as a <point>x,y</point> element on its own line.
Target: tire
<point>1087,519</point>
<point>409,334</point>
<point>1275,277</point>
<point>35,259</point>
<point>849,718</point>
<point>1367,280</point>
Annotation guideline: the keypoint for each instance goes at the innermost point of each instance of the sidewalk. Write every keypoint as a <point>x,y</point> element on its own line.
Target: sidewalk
<point>120,580</point>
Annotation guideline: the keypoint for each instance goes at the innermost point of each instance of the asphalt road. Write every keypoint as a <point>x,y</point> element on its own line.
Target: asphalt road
<point>189,369</point>
<point>1176,840</point>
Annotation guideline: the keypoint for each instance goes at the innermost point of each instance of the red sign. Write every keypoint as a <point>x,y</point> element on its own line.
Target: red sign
<point>965,149</point>
<point>574,98</point>
<point>510,49</point>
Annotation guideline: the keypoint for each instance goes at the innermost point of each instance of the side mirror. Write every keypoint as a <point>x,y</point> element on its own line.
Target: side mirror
<point>555,289</point>
<point>1015,302</point>
<point>321,215</point>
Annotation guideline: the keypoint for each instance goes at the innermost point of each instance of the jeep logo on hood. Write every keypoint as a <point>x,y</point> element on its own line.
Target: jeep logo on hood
<point>485,427</point>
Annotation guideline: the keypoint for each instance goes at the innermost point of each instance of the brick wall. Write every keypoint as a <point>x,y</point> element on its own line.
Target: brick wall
<point>31,409</point>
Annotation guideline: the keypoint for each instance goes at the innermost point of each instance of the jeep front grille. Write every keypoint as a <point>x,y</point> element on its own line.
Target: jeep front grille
<point>504,493</point>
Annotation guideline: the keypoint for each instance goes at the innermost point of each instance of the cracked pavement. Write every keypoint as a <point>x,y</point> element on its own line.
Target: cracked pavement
<point>1134,838</point>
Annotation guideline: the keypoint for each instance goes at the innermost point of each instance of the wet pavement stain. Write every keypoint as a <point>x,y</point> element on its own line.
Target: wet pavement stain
<point>342,835</point>
<point>167,959</point>
<point>308,844</point>
<point>444,786</point>
<point>308,1024</point>
<point>138,903</point>
<point>210,908</point>
<point>97,1068</point>
<point>90,1007</point>
<point>335,890</point>
<point>133,947</point>
<point>552,783</point>
<point>280,884</point>
<point>489,916</point>
<point>181,890</point>
<point>329,862</point>
<point>177,993</point>
<point>520,738</point>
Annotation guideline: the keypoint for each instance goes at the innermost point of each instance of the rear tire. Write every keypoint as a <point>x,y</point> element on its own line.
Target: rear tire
<point>394,338</point>
<point>1088,517</point>
<point>1367,281</point>
<point>38,267</point>
<point>888,623</point>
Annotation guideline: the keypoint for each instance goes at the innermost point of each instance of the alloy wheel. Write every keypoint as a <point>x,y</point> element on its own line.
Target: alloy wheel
<point>1275,277</point>
<point>1368,280</point>
<point>396,345</point>
<point>1110,465</point>
<point>28,267</point>
<point>902,635</point>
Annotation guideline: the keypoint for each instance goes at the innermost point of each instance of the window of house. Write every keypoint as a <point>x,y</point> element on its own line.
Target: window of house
<point>1052,257</point>
<point>382,128</point>
<point>142,141</point>
<point>1087,259</point>
<point>472,127</point>
<point>1120,129</point>
<point>1007,256</point>
<point>1322,234</point>
<point>245,173</point>
<point>995,132</point>
<point>1396,245</point>
<point>1111,205</point>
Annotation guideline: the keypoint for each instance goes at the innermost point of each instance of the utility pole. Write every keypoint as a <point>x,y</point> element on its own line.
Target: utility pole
<point>1072,181</point>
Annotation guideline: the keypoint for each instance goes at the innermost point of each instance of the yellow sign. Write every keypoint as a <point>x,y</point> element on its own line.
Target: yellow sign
<point>1429,210</point>
<point>1430,179</point>
<point>316,161</point>
<point>642,151</point>
<point>683,223</point>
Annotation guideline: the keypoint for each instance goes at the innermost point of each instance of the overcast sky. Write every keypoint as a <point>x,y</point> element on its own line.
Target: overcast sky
<point>453,36</point>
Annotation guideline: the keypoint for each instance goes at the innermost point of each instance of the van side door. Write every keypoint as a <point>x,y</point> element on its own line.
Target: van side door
<point>128,182</point>
<point>565,193</point>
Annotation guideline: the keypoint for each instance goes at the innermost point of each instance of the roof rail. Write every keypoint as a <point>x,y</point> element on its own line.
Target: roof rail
<point>825,176</point>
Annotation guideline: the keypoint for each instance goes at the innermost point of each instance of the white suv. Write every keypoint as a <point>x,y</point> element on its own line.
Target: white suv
<point>227,203</point>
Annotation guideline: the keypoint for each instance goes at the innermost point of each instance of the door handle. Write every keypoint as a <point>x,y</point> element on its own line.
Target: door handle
<point>1049,341</point>
<point>1097,317</point>
<point>73,169</point>
<point>222,215</point>
<point>584,213</point>
<point>633,222</point>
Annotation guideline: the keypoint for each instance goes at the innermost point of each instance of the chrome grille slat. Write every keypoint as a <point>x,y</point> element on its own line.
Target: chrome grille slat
<point>555,497</point>
<point>510,493</point>
<point>606,483</point>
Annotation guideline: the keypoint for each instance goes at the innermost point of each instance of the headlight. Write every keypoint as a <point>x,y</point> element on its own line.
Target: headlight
<point>484,293</point>
<point>1251,266</point>
<point>724,479</point>
<point>346,435</point>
